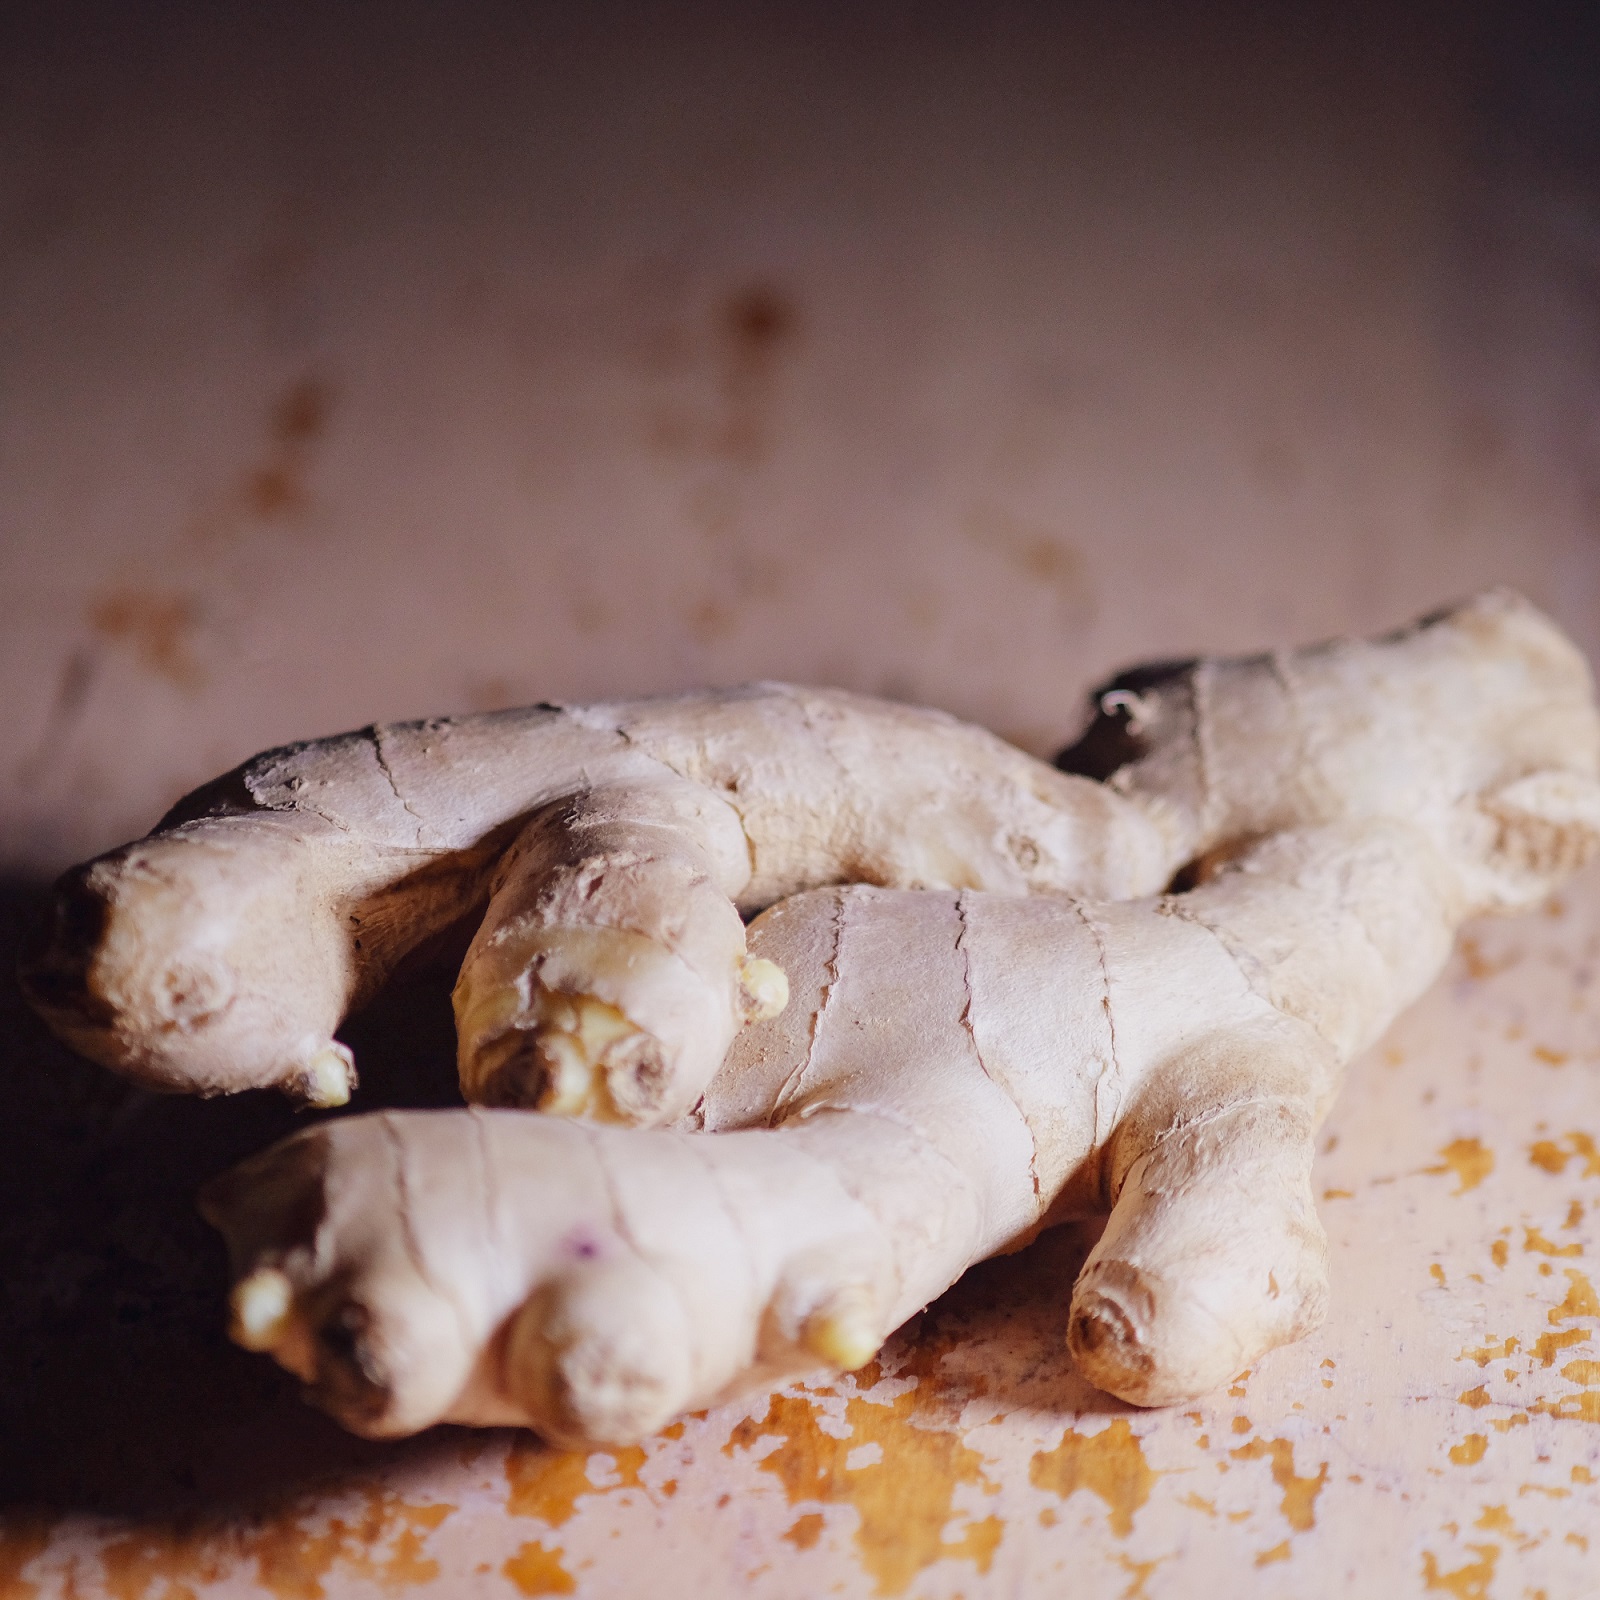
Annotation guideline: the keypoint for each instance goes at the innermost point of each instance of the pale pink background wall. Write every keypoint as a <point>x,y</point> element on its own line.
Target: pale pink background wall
<point>369,362</point>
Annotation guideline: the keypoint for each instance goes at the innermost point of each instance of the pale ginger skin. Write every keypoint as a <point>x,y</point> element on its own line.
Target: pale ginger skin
<point>952,1070</point>
<point>615,848</point>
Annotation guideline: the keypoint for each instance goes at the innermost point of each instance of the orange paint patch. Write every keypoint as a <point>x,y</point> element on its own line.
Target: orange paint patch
<point>536,1570</point>
<point>978,1542</point>
<point>1279,1552</point>
<point>1140,1572</point>
<point>1470,1451</point>
<point>1548,1345</point>
<point>292,1563</point>
<point>1493,1351</point>
<point>1582,1407</point>
<point>904,1499</point>
<point>129,1566</point>
<point>1585,1372</point>
<point>1469,1159</point>
<point>1551,1058</point>
<point>1436,1272</point>
<point>1470,1582</point>
<point>548,1484</point>
<point>1499,1252</point>
<point>384,1544</point>
<point>1497,1519</point>
<point>1581,1300</point>
<point>1547,1153</point>
<point>1299,1494</point>
<point>1536,1241</point>
<point>804,1531</point>
<point>1109,1464</point>
<point>1474,1397</point>
<point>23,1537</point>
<point>1478,965</point>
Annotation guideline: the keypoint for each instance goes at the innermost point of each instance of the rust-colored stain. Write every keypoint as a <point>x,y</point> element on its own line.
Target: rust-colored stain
<point>546,1483</point>
<point>273,491</point>
<point>1495,1350</point>
<point>535,1570</point>
<point>750,331</point>
<point>272,488</point>
<point>1470,1582</point>
<point>23,1537</point>
<point>758,319</point>
<point>157,625</point>
<point>383,1543</point>
<point>904,1499</point>
<point>1547,1153</point>
<point>1470,1451</point>
<point>710,620</point>
<point>1469,1159</point>
<point>1279,1552</point>
<point>1536,1241</point>
<point>1478,965</point>
<point>804,1531</point>
<point>1038,555</point>
<point>1476,1398</point>
<point>1551,1058</point>
<point>301,413</point>
<point>1499,1252</point>
<point>1299,1494</point>
<point>1110,1464</point>
<point>1581,1300</point>
<point>297,420</point>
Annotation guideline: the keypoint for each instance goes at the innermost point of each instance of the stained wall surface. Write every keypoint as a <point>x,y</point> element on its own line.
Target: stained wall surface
<point>361,363</point>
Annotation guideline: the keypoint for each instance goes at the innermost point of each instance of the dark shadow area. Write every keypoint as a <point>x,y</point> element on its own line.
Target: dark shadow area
<point>119,1392</point>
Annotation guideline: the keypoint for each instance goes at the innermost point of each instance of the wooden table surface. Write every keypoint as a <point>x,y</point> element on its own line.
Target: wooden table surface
<point>370,362</point>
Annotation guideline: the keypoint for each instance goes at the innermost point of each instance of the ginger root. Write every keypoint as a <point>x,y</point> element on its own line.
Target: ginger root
<point>609,854</point>
<point>1137,995</point>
